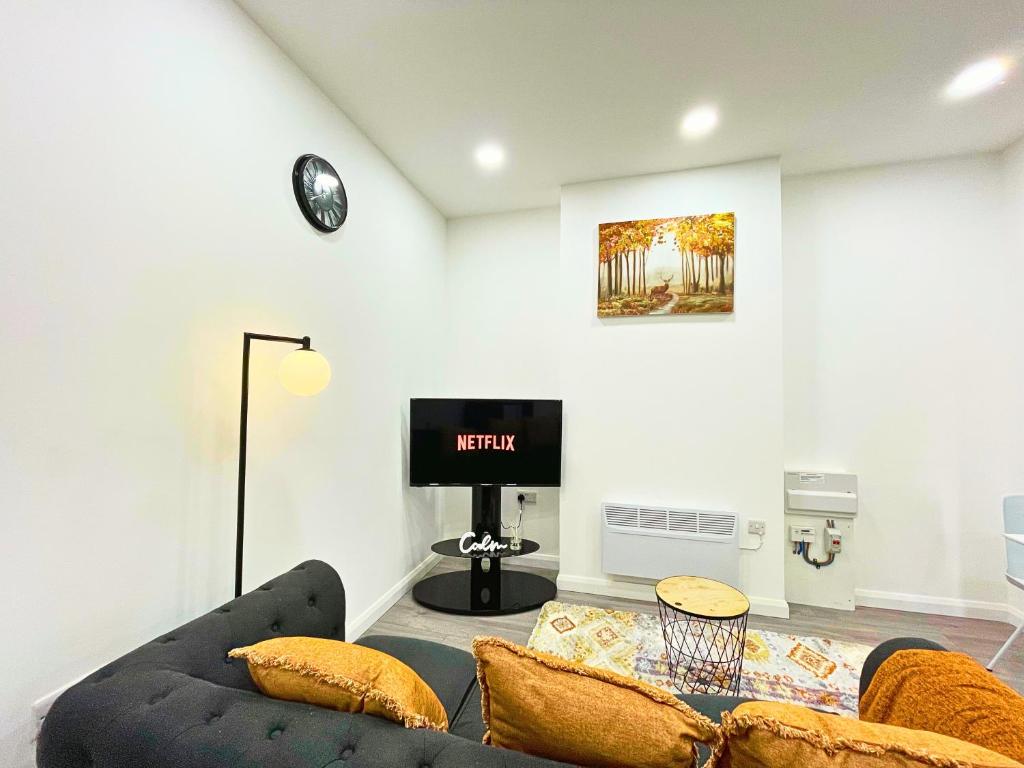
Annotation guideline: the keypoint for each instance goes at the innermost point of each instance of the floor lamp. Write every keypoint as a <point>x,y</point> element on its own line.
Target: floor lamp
<point>303,372</point>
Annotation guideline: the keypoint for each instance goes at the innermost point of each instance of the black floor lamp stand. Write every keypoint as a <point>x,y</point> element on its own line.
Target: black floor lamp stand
<point>242,435</point>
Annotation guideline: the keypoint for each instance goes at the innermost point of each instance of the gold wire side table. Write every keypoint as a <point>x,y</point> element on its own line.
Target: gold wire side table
<point>704,623</point>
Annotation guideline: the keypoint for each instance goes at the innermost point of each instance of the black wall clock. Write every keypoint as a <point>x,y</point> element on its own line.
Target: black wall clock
<point>319,193</point>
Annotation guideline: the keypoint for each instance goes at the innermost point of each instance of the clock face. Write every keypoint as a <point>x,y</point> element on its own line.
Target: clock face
<point>319,193</point>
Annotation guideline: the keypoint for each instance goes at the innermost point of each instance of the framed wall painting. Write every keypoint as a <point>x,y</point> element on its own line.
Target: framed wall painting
<point>679,266</point>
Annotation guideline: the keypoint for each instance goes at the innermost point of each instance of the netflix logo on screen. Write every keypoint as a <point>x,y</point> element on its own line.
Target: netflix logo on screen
<point>485,442</point>
<point>459,442</point>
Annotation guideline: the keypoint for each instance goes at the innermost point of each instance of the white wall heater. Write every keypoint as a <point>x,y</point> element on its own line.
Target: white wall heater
<point>655,542</point>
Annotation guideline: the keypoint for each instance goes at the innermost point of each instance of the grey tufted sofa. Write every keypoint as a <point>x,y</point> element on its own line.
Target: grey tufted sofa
<point>179,702</point>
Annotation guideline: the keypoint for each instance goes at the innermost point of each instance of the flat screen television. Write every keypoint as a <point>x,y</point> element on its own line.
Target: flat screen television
<point>485,442</point>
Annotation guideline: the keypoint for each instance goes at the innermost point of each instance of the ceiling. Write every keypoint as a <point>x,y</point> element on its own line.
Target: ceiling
<point>577,90</point>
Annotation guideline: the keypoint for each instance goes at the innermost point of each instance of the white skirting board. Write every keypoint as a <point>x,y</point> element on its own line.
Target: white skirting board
<point>762,606</point>
<point>534,560</point>
<point>357,626</point>
<point>941,606</point>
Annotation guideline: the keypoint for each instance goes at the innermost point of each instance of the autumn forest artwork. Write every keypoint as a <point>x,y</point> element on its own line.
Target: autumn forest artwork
<point>683,265</point>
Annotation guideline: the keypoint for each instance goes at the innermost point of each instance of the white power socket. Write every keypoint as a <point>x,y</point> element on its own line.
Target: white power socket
<point>530,496</point>
<point>756,527</point>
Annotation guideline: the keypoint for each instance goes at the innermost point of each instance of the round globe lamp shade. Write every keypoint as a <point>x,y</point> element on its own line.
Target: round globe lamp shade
<point>304,372</point>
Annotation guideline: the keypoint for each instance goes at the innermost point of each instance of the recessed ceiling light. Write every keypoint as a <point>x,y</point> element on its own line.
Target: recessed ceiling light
<point>979,77</point>
<point>699,121</point>
<point>490,156</point>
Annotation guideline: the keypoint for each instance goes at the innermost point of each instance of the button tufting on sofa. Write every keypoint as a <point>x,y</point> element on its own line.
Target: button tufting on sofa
<point>275,627</point>
<point>312,601</point>
<point>233,718</point>
<point>275,733</point>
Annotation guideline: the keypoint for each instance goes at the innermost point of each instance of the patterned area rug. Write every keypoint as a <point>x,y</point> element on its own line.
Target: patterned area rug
<point>812,671</point>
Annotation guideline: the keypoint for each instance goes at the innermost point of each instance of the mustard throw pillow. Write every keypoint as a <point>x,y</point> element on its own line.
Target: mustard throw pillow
<point>550,707</point>
<point>343,676</point>
<point>761,734</point>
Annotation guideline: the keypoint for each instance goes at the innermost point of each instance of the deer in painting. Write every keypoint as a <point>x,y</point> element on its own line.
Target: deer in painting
<point>660,289</point>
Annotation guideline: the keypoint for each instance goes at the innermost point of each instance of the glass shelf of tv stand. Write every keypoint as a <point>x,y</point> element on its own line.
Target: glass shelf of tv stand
<point>450,548</point>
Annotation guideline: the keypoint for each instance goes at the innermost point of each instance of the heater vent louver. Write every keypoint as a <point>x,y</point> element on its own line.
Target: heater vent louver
<point>653,519</point>
<point>683,521</point>
<point>626,517</point>
<point>718,523</point>
<point>686,523</point>
<point>654,542</point>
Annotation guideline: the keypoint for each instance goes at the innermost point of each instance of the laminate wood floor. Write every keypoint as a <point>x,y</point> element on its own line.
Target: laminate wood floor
<point>871,626</point>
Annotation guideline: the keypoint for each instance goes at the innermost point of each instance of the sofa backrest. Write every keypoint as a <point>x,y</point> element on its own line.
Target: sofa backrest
<point>179,702</point>
<point>308,600</point>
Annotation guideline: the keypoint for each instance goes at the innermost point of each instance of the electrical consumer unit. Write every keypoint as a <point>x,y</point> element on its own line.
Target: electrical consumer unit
<point>802,533</point>
<point>833,540</point>
<point>655,542</point>
<point>821,509</point>
<point>821,494</point>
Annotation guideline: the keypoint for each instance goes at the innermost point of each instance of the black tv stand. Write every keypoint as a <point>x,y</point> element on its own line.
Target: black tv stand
<point>484,589</point>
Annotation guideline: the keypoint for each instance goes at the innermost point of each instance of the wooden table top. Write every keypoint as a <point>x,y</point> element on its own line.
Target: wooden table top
<point>702,597</point>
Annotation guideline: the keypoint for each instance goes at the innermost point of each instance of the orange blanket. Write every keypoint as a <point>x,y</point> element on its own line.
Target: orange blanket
<point>947,693</point>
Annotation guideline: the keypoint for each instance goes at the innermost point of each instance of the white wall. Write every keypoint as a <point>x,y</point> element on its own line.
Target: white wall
<point>906,380</point>
<point>502,337</point>
<point>1013,193</point>
<point>685,411</point>
<point>900,330</point>
<point>146,221</point>
<point>871,383</point>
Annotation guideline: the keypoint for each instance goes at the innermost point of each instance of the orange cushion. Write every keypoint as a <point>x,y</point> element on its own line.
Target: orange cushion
<point>759,734</point>
<point>550,707</point>
<point>948,693</point>
<point>343,676</point>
